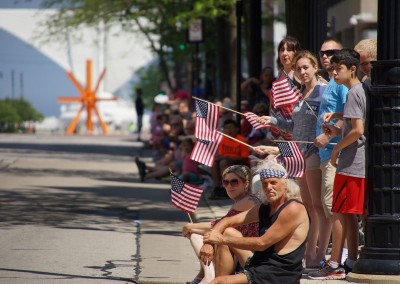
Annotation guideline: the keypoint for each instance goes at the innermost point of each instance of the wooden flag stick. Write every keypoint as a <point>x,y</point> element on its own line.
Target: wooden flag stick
<point>306,142</point>
<point>312,111</point>
<point>190,218</point>
<point>219,106</point>
<point>230,137</point>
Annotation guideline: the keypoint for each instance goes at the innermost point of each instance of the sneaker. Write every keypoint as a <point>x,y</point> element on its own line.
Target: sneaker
<point>141,168</point>
<point>328,273</point>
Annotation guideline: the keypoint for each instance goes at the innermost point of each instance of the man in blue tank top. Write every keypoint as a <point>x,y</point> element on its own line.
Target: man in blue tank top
<point>283,229</point>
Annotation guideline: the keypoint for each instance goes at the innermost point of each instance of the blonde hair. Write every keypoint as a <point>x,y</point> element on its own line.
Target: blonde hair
<point>241,171</point>
<point>305,54</point>
<point>369,46</point>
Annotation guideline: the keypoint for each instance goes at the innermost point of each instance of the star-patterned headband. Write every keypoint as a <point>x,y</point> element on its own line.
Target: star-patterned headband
<point>269,173</point>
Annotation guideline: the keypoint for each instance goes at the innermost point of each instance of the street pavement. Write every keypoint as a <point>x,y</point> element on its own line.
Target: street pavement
<point>73,211</point>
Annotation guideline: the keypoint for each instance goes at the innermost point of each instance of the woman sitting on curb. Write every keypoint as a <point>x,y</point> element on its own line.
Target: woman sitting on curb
<point>236,180</point>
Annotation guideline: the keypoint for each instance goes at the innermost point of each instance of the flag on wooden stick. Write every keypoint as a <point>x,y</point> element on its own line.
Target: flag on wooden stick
<point>207,120</point>
<point>204,151</point>
<point>284,92</point>
<point>184,196</point>
<point>252,118</point>
<point>292,158</point>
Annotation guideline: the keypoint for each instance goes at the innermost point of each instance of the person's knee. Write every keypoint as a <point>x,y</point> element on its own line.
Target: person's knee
<point>231,232</point>
<point>196,237</point>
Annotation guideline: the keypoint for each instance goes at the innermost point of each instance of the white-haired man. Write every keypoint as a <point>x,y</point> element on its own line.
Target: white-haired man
<point>284,225</point>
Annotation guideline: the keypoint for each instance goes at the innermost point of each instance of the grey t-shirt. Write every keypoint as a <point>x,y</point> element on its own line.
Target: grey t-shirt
<point>304,121</point>
<point>352,158</point>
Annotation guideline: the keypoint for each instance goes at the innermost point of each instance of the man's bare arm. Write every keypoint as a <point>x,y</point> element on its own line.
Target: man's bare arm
<point>289,219</point>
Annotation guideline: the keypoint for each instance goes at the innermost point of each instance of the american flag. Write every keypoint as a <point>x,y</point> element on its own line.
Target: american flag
<point>292,158</point>
<point>184,196</point>
<point>284,92</point>
<point>207,120</point>
<point>252,118</point>
<point>204,151</point>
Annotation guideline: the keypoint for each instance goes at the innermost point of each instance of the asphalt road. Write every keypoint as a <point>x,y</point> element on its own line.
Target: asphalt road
<point>73,211</point>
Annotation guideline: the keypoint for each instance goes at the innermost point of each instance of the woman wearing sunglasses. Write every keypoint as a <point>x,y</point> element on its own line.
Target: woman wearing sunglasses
<point>287,49</point>
<point>236,180</point>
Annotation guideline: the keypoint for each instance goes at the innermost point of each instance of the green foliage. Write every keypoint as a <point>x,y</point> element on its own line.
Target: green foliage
<point>162,22</point>
<point>15,112</point>
<point>8,113</point>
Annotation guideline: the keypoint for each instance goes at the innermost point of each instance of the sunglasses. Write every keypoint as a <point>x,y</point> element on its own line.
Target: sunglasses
<point>232,182</point>
<point>328,52</point>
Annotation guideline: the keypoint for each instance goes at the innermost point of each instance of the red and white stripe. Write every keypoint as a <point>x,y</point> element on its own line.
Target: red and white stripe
<point>205,153</point>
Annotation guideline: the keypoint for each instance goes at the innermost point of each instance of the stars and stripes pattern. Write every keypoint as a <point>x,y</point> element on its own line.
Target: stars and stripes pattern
<point>204,151</point>
<point>269,173</point>
<point>252,118</point>
<point>284,92</point>
<point>292,158</point>
<point>184,196</point>
<point>207,120</point>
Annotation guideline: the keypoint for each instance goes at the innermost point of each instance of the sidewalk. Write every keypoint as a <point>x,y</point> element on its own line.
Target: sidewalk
<point>218,208</point>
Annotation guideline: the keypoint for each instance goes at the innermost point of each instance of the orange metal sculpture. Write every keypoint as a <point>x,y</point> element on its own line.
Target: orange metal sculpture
<point>88,100</point>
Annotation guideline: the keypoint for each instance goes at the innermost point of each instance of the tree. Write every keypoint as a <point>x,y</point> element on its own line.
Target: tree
<point>162,22</point>
<point>14,112</point>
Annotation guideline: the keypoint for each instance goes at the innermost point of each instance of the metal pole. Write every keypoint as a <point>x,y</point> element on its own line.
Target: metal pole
<point>197,70</point>
<point>381,253</point>
<point>12,84</point>
<point>21,83</point>
<point>255,42</point>
<point>239,13</point>
<point>317,24</point>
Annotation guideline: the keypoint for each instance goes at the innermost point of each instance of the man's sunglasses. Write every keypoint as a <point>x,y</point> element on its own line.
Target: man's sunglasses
<point>232,182</point>
<point>328,52</point>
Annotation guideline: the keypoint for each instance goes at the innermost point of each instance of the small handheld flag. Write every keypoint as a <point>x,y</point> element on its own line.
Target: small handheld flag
<point>207,120</point>
<point>283,93</point>
<point>252,118</point>
<point>292,158</point>
<point>184,196</point>
<point>204,151</point>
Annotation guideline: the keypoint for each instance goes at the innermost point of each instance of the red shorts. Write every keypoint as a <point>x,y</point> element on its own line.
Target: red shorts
<point>349,195</point>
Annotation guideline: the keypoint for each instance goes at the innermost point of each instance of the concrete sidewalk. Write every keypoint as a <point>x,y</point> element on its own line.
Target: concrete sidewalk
<point>218,208</point>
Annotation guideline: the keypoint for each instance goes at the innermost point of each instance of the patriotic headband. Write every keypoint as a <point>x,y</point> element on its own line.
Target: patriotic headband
<point>269,173</point>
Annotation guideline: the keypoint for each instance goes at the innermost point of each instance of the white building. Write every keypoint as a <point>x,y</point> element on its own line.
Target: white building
<point>37,71</point>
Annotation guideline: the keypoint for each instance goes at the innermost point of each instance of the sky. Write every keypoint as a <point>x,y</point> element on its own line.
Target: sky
<point>37,72</point>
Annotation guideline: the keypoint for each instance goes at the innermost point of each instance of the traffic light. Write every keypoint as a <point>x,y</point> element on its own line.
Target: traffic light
<point>182,46</point>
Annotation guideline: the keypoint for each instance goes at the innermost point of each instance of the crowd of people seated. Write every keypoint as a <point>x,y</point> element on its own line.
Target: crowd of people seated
<point>328,119</point>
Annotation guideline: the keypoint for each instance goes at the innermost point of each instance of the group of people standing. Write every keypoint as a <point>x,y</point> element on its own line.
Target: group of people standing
<point>328,123</point>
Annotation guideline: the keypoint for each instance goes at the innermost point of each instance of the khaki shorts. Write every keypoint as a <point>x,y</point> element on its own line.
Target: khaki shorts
<point>312,162</point>
<point>328,176</point>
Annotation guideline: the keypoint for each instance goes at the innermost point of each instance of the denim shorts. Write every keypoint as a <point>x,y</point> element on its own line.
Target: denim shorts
<point>247,273</point>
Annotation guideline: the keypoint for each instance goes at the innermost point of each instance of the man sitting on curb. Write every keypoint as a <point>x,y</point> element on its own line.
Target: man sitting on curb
<point>284,225</point>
